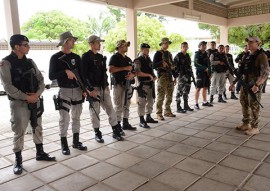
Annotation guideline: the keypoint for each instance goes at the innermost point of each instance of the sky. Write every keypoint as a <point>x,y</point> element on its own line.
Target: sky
<point>81,9</point>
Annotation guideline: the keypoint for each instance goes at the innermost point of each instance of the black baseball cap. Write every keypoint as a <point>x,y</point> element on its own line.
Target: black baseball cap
<point>17,39</point>
<point>201,43</point>
<point>145,45</point>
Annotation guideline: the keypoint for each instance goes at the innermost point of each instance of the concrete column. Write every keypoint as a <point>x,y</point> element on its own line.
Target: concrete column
<point>224,35</point>
<point>131,16</point>
<point>12,18</point>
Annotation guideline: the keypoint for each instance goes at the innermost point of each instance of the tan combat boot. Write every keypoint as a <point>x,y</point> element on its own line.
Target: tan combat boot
<point>252,131</point>
<point>243,127</point>
<point>160,117</point>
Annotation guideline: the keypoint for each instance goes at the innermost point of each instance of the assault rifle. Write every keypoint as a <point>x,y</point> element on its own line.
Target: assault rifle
<point>79,81</point>
<point>127,88</point>
<point>246,86</point>
<point>192,77</point>
<point>35,112</point>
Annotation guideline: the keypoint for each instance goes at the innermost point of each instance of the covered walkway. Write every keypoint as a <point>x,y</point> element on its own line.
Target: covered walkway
<point>199,151</point>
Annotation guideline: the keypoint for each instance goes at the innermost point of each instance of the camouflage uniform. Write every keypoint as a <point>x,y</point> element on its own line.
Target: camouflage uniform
<point>251,69</point>
<point>165,85</point>
<point>184,70</point>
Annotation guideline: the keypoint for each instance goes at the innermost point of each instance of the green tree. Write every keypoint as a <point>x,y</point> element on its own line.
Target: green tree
<point>176,39</point>
<point>213,29</point>
<point>237,35</point>
<point>117,13</point>
<point>150,30</point>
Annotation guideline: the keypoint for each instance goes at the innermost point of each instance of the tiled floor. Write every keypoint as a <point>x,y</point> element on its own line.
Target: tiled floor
<point>196,151</point>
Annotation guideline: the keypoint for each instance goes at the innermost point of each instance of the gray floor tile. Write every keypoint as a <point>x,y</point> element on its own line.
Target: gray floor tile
<point>103,153</point>
<point>6,174</point>
<point>183,149</point>
<point>176,178</point>
<point>140,138</point>
<point>222,147</point>
<point>100,187</point>
<point>208,135</point>
<point>179,123</point>
<point>155,186</point>
<point>194,166</point>
<point>34,165</point>
<point>240,163</point>
<point>143,151</point>
<point>197,126</point>
<point>80,162</point>
<point>196,141</point>
<point>206,184</point>
<point>45,188</point>
<point>148,168</point>
<point>4,162</point>
<point>19,184</point>
<point>73,182</point>
<point>168,128</point>
<point>267,159</point>
<point>232,139</point>
<point>209,155</point>
<point>250,153</point>
<point>124,160</point>
<point>160,143</point>
<point>154,132</point>
<point>217,129</point>
<point>123,145</point>
<point>186,131</point>
<point>125,181</point>
<point>256,144</point>
<point>227,175</point>
<point>167,158</point>
<point>58,170</point>
<point>174,137</point>
<point>263,170</point>
<point>101,171</point>
<point>258,183</point>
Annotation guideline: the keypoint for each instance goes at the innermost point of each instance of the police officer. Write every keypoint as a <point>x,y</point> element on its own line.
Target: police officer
<point>219,67</point>
<point>94,71</point>
<point>212,49</point>
<point>229,72</point>
<point>238,60</point>
<point>254,68</point>
<point>17,73</point>
<point>62,67</point>
<point>146,87</point>
<point>203,72</point>
<point>163,63</point>
<point>182,62</point>
<point>120,66</point>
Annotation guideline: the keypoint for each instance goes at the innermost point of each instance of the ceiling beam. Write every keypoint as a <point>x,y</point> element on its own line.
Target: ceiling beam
<point>143,4</point>
<point>249,20</point>
<point>180,12</point>
<point>116,3</point>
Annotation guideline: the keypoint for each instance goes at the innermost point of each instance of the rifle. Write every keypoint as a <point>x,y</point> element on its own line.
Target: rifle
<point>33,107</point>
<point>81,85</point>
<point>246,86</point>
<point>127,88</point>
<point>192,77</point>
<point>104,60</point>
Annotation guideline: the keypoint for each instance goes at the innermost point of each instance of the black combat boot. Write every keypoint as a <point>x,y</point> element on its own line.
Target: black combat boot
<point>211,99</point>
<point>143,123</point>
<point>179,108</point>
<point>225,95</point>
<point>64,145</point>
<point>186,106</point>
<point>220,99</point>
<point>121,129</point>
<point>116,133</point>
<point>127,126</point>
<point>41,155</point>
<point>233,96</point>
<point>77,144</point>
<point>98,136</point>
<point>17,169</point>
<point>149,119</point>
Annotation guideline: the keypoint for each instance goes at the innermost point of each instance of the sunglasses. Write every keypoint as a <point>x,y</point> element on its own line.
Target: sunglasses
<point>25,45</point>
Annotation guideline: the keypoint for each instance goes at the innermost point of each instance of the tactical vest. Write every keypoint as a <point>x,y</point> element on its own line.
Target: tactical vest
<point>184,64</point>
<point>202,58</point>
<point>219,68</point>
<point>119,77</point>
<point>248,67</point>
<point>22,74</point>
<point>146,67</point>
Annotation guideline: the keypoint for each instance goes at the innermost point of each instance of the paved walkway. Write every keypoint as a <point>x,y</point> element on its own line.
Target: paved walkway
<point>199,151</point>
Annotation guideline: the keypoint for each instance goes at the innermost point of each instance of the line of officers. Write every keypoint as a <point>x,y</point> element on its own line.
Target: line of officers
<point>17,72</point>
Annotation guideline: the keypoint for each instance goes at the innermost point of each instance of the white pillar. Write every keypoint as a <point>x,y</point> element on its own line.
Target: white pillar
<point>131,16</point>
<point>12,18</point>
<point>224,35</point>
